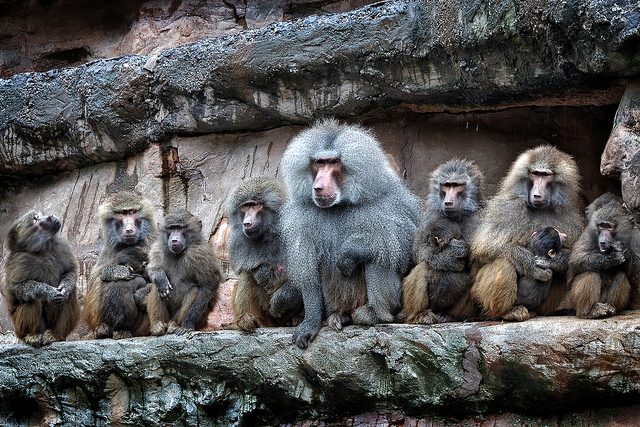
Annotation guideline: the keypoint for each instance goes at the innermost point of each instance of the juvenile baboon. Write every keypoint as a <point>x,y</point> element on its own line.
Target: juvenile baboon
<point>431,295</point>
<point>455,194</point>
<point>348,228</point>
<point>185,273</point>
<point>544,244</point>
<point>40,280</point>
<point>256,252</point>
<point>126,221</point>
<point>601,263</point>
<point>541,189</point>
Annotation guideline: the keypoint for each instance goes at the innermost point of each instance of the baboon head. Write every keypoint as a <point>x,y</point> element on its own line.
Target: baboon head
<point>32,232</point>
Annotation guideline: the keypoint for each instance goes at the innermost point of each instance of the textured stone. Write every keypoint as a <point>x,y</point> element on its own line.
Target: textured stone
<point>621,156</point>
<point>542,368</point>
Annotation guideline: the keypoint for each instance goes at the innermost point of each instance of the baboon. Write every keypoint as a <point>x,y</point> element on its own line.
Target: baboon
<point>256,252</point>
<point>348,228</point>
<point>601,263</point>
<point>185,273</point>
<point>544,244</point>
<point>40,280</point>
<point>455,194</point>
<point>541,189</point>
<point>432,297</point>
<point>113,307</point>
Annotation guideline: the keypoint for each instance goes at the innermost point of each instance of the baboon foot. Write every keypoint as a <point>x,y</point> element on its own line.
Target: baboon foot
<point>158,329</point>
<point>520,313</point>
<point>34,340</point>
<point>305,333</point>
<point>172,327</point>
<point>426,318</point>
<point>181,330</point>
<point>364,315</point>
<point>103,331</point>
<point>601,310</point>
<point>122,334</point>
<point>50,337</point>
<point>336,321</point>
<point>246,323</point>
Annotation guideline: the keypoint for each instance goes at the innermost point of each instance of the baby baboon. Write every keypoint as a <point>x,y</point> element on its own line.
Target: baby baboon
<point>541,189</point>
<point>348,228</point>
<point>185,273</point>
<point>256,252</point>
<point>126,221</point>
<point>40,278</point>
<point>455,194</point>
<point>432,297</point>
<point>601,262</point>
<point>544,244</point>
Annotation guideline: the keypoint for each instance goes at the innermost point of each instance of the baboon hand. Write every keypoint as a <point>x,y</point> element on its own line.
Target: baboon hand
<point>347,263</point>
<point>542,274</point>
<point>618,252</point>
<point>542,262</point>
<point>305,333</point>
<point>459,248</point>
<point>162,284</point>
<point>57,296</point>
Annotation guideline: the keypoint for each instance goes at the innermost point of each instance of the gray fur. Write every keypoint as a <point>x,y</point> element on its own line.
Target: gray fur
<point>377,216</point>
<point>246,254</point>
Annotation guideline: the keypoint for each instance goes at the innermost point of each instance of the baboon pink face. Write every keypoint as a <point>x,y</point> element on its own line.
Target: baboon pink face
<point>328,173</point>
<point>127,225</point>
<point>253,221</point>
<point>541,188</point>
<point>452,196</point>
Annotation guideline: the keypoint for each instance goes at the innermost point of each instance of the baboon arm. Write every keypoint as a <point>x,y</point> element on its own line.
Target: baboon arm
<point>31,290</point>
<point>595,261</point>
<point>450,258</point>
<point>163,285</point>
<point>114,273</point>
<point>524,261</point>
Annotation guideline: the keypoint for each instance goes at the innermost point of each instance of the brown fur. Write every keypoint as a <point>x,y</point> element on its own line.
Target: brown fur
<point>432,295</point>
<point>40,278</point>
<point>498,247</point>
<point>257,255</point>
<point>193,275</point>
<point>112,308</point>
<point>600,282</point>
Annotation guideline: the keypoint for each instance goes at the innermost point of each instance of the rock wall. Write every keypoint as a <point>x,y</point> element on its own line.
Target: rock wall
<point>546,370</point>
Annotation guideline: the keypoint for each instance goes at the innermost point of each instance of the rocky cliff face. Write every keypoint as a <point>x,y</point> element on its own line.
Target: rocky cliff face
<point>181,100</point>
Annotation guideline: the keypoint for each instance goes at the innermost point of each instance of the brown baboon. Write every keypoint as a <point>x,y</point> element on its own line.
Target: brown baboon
<point>541,189</point>
<point>256,252</point>
<point>455,194</point>
<point>601,262</point>
<point>40,278</point>
<point>126,221</point>
<point>433,296</point>
<point>544,244</point>
<point>185,273</point>
<point>348,228</point>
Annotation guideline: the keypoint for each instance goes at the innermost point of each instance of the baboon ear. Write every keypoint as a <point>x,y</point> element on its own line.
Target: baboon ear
<point>551,253</point>
<point>533,234</point>
<point>437,240</point>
